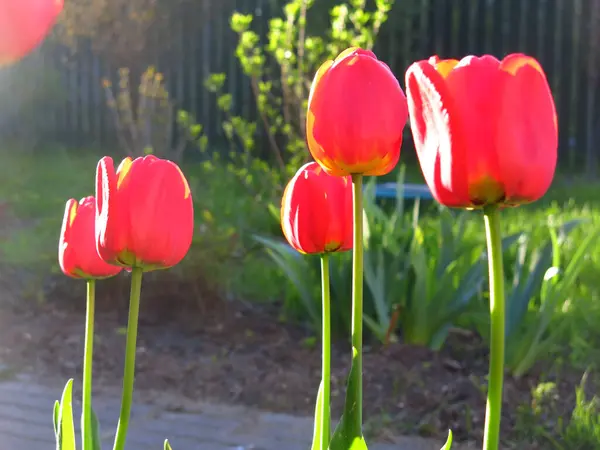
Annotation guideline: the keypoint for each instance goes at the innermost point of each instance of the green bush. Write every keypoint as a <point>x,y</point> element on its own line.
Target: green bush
<point>423,277</point>
<point>280,73</point>
<point>426,273</point>
<point>232,201</point>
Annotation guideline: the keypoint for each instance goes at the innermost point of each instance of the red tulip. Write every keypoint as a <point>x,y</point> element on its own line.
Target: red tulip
<point>485,130</point>
<point>356,114</point>
<point>145,215</point>
<point>77,253</point>
<point>23,26</point>
<point>316,211</point>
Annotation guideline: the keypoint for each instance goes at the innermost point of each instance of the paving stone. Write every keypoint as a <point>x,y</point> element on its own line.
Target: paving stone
<point>26,424</point>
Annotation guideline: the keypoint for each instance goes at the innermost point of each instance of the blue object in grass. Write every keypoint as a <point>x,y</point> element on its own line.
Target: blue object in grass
<point>409,191</point>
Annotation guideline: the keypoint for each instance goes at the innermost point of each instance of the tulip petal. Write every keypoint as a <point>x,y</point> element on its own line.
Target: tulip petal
<point>475,86</point>
<point>65,251</point>
<point>444,66</point>
<point>437,133</point>
<point>322,71</point>
<point>160,212</point>
<point>112,233</point>
<point>527,130</point>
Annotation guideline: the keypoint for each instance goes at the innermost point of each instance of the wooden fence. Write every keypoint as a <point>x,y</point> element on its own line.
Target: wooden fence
<point>53,95</point>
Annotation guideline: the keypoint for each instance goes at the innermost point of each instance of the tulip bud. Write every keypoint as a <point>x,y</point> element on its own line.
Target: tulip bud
<point>316,211</point>
<point>356,115</point>
<point>145,215</point>
<point>77,253</point>
<point>23,26</point>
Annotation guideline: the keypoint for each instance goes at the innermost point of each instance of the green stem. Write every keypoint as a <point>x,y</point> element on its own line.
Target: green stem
<point>326,338</point>
<point>130,349</point>
<point>493,413</point>
<point>357,298</point>
<point>87,442</point>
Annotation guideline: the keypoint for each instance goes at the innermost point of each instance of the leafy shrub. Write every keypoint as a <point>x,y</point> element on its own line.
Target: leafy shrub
<point>280,74</point>
<point>426,277</point>
<point>145,119</point>
<point>232,201</point>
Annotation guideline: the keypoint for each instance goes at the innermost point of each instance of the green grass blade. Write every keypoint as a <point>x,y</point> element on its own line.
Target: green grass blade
<point>318,426</point>
<point>346,435</point>
<point>448,444</point>
<point>97,445</point>
<point>66,439</point>
<point>55,419</point>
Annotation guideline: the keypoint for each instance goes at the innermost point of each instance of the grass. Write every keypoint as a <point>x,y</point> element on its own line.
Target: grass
<point>35,187</point>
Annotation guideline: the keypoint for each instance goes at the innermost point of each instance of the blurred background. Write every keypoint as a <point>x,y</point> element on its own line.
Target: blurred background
<point>220,86</point>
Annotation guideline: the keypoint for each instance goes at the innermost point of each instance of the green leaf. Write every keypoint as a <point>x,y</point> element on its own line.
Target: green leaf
<point>298,272</point>
<point>348,433</point>
<point>448,444</point>
<point>167,445</point>
<point>65,439</point>
<point>55,418</point>
<point>274,211</point>
<point>321,422</point>
<point>96,444</point>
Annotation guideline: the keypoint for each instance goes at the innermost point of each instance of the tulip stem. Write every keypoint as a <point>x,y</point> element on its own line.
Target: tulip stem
<point>326,338</point>
<point>87,442</point>
<point>357,300</point>
<point>493,411</point>
<point>130,350</point>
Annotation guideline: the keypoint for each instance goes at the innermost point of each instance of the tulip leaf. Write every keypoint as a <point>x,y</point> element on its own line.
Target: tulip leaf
<point>348,433</point>
<point>96,444</point>
<point>297,270</point>
<point>65,436</point>
<point>55,418</point>
<point>448,444</point>
<point>167,445</point>
<point>320,425</point>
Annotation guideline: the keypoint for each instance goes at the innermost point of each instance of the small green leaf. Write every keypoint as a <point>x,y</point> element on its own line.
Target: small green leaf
<point>66,435</point>
<point>348,433</point>
<point>318,427</point>
<point>167,445</point>
<point>55,418</point>
<point>97,445</point>
<point>448,444</point>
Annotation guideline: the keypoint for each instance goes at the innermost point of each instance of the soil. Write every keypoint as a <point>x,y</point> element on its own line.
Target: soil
<point>233,352</point>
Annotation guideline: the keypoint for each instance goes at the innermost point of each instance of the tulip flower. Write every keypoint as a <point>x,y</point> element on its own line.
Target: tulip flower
<point>316,211</point>
<point>485,130</point>
<point>77,253</point>
<point>486,136</point>
<point>354,124</point>
<point>356,114</point>
<point>78,258</point>
<point>23,26</point>
<point>316,218</point>
<point>144,220</point>
<point>145,215</point>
